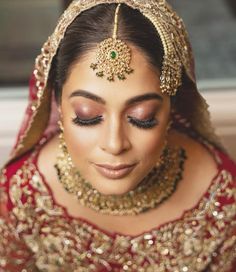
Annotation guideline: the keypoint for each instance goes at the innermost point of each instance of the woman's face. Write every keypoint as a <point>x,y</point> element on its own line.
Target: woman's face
<point>114,123</point>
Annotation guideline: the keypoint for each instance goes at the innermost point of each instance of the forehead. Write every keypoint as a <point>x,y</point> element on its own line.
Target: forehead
<point>144,79</point>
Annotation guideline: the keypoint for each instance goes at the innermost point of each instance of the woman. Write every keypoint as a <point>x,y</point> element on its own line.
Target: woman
<point>117,167</point>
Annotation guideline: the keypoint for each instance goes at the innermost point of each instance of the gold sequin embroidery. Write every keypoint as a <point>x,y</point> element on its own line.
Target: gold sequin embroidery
<point>59,243</point>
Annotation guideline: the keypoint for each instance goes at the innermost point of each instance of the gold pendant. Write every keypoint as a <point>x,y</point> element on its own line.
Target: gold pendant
<point>113,56</point>
<point>113,59</point>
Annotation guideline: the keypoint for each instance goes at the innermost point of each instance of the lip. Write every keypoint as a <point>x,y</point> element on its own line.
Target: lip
<point>114,172</point>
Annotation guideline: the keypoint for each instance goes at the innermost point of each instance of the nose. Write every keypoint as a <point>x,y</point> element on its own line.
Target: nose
<point>114,140</point>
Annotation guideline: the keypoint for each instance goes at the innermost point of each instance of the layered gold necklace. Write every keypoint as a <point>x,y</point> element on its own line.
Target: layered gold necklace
<point>159,184</point>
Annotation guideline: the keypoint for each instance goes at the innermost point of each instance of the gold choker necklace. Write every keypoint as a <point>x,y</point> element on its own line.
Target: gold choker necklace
<point>154,189</point>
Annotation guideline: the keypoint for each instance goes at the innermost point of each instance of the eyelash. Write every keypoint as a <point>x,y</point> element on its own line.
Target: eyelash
<point>146,124</point>
<point>88,122</point>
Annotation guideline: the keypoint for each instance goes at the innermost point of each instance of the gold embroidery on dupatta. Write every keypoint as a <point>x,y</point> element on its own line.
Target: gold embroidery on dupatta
<point>13,251</point>
<point>63,244</point>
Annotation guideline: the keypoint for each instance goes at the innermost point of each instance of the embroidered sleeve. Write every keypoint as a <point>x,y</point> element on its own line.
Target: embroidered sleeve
<point>225,258</point>
<point>14,255</point>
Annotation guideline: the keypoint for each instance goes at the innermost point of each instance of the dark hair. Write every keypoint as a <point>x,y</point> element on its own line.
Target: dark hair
<point>95,25</point>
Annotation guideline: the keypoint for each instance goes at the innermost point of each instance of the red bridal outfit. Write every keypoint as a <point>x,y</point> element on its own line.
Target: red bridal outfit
<point>38,234</point>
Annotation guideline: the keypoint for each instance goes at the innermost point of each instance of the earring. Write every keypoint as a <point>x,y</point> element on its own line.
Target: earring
<point>63,148</point>
<point>170,123</point>
<point>61,136</point>
<point>165,148</point>
<point>60,125</point>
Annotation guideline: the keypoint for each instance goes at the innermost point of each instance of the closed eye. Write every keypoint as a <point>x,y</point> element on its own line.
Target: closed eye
<point>142,124</point>
<point>87,122</point>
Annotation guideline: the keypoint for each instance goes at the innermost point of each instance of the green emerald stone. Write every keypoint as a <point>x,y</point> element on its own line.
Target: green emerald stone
<point>113,54</point>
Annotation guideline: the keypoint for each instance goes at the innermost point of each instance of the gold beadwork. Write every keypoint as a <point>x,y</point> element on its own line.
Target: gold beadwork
<point>62,243</point>
<point>113,56</point>
<point>60,125</point>
<point>156,187</point>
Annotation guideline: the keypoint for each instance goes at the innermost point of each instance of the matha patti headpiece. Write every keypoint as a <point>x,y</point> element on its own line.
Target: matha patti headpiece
<point>113,56</point>
<point>177,56</point>
<point>169,27</point>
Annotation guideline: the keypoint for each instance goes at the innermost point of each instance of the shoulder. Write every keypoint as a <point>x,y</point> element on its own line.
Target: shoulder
<point>6,175</point>
<point>12,168</point>
<point>201,162</point>
<point>206,154</point>
<point>209,176</point>
<point>192,146</point>
<point>208,170</point>
<point>204,161</point>
<point>202,172</point>
<point>14,176</point>
<point>10,242</point>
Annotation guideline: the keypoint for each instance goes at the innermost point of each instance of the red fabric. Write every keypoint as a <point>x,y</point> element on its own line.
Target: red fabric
<point>52,126</point>
<point>6,207</point>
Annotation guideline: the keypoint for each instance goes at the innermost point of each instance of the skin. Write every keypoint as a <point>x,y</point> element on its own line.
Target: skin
<point>114,140</point>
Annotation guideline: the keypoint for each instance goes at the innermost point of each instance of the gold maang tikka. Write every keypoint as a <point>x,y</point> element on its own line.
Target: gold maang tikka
<point>113,56</point>
<point>158,185</point>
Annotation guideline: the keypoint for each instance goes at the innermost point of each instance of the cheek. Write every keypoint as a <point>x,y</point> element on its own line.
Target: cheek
<point>80,141</point>
<point>149,143</point>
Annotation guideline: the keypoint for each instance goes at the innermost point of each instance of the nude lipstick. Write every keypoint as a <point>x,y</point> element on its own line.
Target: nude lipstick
<point>114,172</point>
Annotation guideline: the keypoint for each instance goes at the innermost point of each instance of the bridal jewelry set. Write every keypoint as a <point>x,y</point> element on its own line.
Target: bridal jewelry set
<point>113,59</point>
<point>160,183</point>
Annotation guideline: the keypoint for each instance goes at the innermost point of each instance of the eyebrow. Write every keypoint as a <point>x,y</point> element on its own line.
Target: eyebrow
<point>88,95</point>
<point>131,101</point>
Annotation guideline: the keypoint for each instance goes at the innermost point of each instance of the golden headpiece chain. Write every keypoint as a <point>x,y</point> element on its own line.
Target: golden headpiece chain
<point>113,56</point>
<point>177,57</point>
